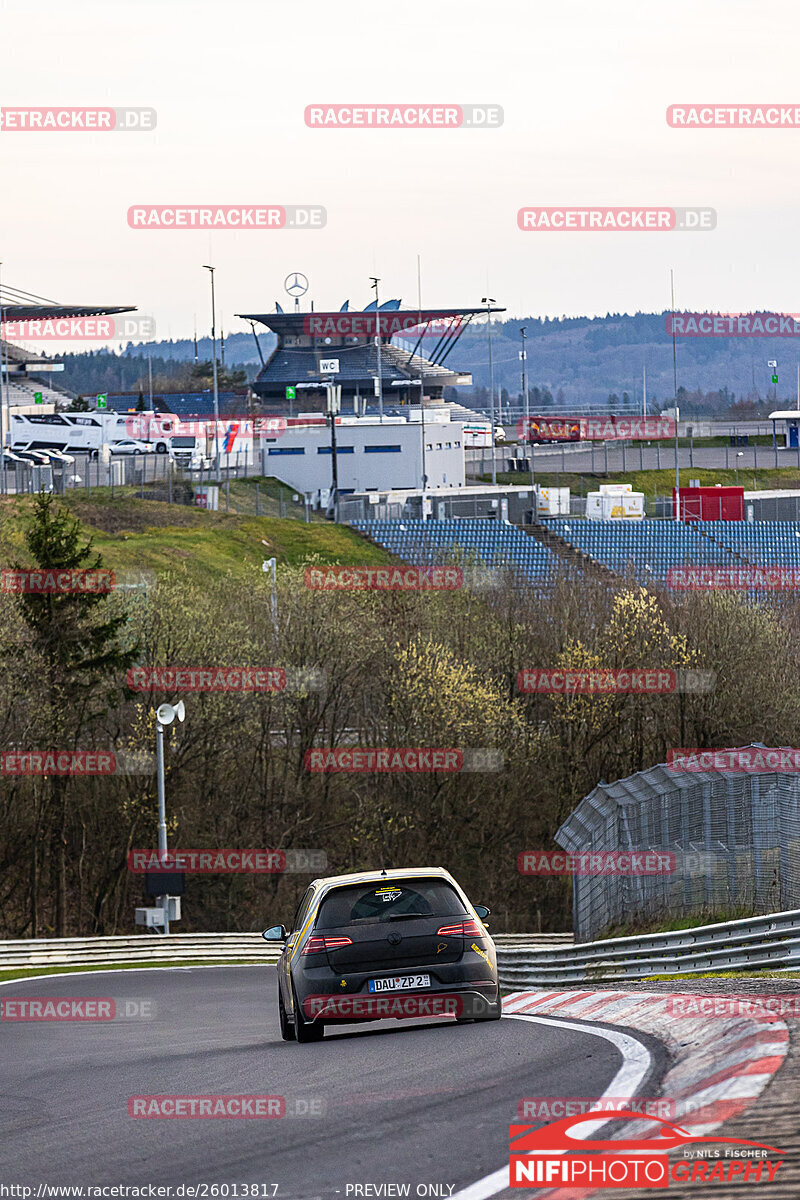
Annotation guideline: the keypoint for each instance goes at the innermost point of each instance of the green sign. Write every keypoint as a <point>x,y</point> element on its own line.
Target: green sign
<point>291,393</point>
<point>774,378</point>
<point>102,400</point>
<point>38,398</point>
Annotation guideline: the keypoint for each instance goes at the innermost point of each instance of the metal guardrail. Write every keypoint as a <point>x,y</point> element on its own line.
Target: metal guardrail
<point>182,947</point>
<point>138,948</point>
<point>772,940</point>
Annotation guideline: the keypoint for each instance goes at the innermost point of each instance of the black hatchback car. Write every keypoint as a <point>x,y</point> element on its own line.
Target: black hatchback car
<point>383,944</point>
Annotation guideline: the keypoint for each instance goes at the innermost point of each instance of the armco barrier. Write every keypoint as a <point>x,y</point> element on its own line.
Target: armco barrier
<point>138,948</point>
<point>772,940</point>
<point>187,947</point>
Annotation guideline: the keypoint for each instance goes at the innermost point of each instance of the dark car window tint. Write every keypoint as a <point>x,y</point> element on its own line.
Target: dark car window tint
<point>368,903</point>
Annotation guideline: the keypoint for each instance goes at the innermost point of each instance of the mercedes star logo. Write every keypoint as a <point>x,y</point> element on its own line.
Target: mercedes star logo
<point>296,284</point>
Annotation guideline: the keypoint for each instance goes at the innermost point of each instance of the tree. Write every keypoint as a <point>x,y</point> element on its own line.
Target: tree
<point>80,640</point>
<point>140,404</point>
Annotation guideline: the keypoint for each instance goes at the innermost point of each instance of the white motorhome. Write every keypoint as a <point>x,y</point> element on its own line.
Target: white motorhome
<point>88,431</point>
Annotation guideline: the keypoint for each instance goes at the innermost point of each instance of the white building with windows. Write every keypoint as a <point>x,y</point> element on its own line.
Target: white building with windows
<point>370,454</point>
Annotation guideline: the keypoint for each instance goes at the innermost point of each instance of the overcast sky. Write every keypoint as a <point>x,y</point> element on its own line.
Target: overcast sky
<point>584,88</point>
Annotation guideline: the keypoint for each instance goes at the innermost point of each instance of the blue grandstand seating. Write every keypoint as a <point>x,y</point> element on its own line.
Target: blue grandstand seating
<point>647,549</point>
<point>489,542</point>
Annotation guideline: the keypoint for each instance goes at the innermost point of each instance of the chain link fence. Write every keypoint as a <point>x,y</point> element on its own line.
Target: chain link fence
<point>735,838</point>
<point>241,489</point>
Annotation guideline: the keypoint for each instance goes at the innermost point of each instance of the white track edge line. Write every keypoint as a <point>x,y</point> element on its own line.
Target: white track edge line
<point>636,1062</point>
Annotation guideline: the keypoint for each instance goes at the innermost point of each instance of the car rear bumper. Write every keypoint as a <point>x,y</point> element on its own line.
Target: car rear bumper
<point>465,1000</point>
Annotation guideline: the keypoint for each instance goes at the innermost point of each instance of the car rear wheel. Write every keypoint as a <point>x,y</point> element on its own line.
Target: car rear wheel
<point>305,1031</point>
<point>287,1029</point>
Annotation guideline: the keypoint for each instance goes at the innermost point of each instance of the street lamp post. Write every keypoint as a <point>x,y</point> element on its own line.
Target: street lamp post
<point>375,281</point>
<point>524,356</point>
<point>489,301</point>
<point>214,369</point>
<point>165,715</point>
<point>334,406</point>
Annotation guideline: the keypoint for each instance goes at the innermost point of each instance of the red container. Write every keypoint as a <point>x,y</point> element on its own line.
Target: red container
<point>710,503</point>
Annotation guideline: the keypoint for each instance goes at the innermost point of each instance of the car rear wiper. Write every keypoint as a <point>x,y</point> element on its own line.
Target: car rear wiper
<point>405,916</point>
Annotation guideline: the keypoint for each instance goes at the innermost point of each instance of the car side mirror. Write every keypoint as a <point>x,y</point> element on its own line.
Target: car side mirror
<point>482,911</point>
<point>276,933</point>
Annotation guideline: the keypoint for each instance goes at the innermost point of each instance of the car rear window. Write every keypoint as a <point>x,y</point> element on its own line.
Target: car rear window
<point>381,900</point>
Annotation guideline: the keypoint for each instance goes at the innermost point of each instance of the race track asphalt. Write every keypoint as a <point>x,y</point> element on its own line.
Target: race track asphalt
<point>413,1102</point>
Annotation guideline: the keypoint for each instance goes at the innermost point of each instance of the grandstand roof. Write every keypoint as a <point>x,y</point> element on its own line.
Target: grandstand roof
<point>44,312</point>
<point>393,321</point>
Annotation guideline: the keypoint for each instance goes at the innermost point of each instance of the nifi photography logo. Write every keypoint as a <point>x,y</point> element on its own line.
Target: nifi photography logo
<point>559,1155</point>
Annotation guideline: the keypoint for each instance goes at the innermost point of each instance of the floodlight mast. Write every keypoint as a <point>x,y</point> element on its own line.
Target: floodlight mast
<point>375,279</point>
<point>214,369</point>
<point>489,301</point>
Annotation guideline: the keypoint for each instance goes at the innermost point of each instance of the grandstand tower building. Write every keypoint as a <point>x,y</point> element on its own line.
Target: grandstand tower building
<point>342,347</point>
<point>21,387</point>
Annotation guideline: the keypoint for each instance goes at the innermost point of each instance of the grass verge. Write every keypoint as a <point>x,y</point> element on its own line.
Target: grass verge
<point>131,533</point>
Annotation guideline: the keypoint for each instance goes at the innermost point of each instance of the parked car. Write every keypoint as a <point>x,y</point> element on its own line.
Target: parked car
<point>131,446</point>
<point>37,457</point>
<point>57,456</point>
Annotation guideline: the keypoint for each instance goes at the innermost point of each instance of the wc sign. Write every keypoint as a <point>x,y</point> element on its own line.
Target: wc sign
<point>329,366</point>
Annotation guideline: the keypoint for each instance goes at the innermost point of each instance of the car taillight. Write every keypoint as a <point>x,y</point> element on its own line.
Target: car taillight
<point>318,945</point>
<point>463,929</point>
